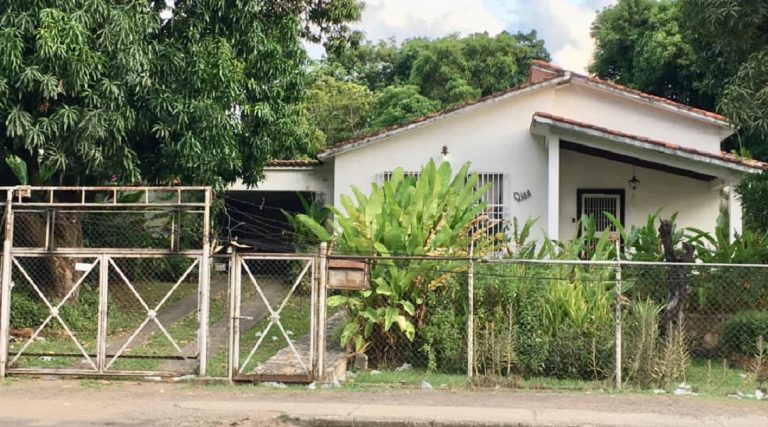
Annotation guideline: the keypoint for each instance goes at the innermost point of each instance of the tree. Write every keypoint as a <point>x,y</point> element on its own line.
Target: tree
<point>639,44</point>
<point>424,75</point>
<point>341,110</point>
<point>95,89</point>
<point>710,54</point>
<point>731,37</point>
<point>396,104</point>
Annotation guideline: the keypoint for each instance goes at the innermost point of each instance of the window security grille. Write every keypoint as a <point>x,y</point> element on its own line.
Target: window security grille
<point>495,205</point>
<point>595,204</point>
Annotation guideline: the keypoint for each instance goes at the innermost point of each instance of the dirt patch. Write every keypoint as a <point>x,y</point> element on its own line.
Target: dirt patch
<point>124,403</point>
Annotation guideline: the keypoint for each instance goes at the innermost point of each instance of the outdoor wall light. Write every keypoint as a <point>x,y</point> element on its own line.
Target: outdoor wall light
<point>444,151</point>
<point>633,182</point>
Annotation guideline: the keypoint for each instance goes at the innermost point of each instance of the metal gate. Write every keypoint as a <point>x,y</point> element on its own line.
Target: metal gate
<point>107,280</point>
<point>108,315</point>
<point>274,323</point>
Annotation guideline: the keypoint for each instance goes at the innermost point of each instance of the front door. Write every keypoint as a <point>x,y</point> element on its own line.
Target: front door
<point>599,201</point>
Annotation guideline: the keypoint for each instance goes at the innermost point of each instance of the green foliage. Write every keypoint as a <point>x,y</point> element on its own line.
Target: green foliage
<point>341,110</point>
<point>639,44</point>
<point>543,320</point>
<point>396,104</point>
<point>741,332</point>
<point>422,75</point>
<point>641,342</point>
<point>434,215</point>
<point>303,232</point>
<point>91,89</point>
<point>707,53</point>
<point>753,191</point>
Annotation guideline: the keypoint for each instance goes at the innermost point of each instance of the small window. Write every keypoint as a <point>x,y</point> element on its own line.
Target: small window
<point>595,202</point>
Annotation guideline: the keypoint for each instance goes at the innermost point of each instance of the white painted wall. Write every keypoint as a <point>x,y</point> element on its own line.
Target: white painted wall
<point>317,179</point>
<point>697,202</point>
<point>612,111</point>
<point>494,137</point>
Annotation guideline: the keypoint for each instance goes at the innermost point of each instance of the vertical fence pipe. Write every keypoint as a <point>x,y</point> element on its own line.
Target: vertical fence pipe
<point>321,312</point>
<point>101,332</point>
<point>205,286</point>
<point>471,313</point>
<point>617,312</point>
<point>5,282</point>
<point>234,306</point>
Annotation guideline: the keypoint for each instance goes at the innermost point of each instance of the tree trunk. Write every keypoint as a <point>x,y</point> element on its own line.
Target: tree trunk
<point>68,233</point>
<point>677,279</point>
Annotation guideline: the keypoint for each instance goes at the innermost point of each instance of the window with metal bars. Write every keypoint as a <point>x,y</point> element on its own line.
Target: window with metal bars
<point>495,205</point>
<point>596,202</point>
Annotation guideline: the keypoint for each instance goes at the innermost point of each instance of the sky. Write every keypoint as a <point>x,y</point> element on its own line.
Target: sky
<point>563,24</point>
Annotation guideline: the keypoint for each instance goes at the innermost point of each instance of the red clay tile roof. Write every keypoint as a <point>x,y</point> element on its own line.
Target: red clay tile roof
<point>629,91</point>
<point>723,156</point>
<point>292,163</point>
<point>403,126</point>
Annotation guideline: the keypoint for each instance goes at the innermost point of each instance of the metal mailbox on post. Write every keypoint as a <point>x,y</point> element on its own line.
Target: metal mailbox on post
<point>348,275</point>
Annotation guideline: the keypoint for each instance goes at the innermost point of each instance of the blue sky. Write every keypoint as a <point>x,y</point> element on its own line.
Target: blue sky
<point>563,24</point>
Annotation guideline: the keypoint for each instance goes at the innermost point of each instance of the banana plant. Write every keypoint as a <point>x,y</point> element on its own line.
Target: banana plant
<point>438,213</point>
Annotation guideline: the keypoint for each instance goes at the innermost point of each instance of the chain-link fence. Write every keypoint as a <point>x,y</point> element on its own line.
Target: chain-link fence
<point>509,321</point>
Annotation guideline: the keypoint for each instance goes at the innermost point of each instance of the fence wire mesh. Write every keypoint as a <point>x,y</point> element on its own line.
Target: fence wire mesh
<point>275,308</point>
<point>533,320</point>
<point>54,313</point>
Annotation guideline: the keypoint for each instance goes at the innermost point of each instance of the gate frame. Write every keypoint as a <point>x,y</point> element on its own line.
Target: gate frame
<point>20,197</point>
<point>316,321</point>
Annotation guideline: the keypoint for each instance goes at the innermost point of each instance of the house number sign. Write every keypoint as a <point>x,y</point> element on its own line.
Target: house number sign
<point>521,196</point>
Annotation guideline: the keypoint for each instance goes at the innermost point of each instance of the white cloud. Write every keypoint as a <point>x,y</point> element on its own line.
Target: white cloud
<point>563,24</point>
<point>427,18</point>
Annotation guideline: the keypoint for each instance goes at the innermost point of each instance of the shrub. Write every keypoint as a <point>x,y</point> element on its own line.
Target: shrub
<point>641,342</point>
<point>741,332</point>
<point>436,214</point>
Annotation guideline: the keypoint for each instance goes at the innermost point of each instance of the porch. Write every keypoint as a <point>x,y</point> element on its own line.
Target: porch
<point>592,170</point>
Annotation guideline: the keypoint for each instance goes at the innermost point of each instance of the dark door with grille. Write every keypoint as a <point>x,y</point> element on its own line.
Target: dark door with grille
<point>596,202</point>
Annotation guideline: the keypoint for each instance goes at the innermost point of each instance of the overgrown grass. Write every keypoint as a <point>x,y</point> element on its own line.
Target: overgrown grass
<point>125,314</point>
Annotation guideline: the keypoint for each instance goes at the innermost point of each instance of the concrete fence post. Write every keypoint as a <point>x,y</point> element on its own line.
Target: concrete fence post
<point>5,283</point>
<point>321,310</point>
<point>471,314</point>
<point>617,309</point>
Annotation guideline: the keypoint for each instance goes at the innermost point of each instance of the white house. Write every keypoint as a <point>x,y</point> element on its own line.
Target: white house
<point>559,146</point>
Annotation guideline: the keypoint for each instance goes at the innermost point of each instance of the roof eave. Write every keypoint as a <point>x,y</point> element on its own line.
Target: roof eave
<point>552,123</point>
<point>346,147</point>
<point>728,127</point>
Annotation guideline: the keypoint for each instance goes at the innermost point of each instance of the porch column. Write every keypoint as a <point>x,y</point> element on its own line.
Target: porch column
<point>553,186</point>
<point>734,210</point>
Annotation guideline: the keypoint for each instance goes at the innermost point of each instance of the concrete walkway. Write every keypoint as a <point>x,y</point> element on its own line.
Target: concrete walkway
<point>70,403</point>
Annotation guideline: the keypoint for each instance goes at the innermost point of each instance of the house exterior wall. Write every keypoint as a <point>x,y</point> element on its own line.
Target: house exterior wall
<point>590,105</point>
<point>317,179</point>
<point>696,202</point>
<point>494,138</point>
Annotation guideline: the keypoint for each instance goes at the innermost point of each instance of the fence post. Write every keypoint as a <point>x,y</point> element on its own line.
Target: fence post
<point>101,331</point>
<point>205,287</point>
<point>617,309</point>
<point>471,314</point>
<point>323,271</point>
<point>5,300</point>
<point>235,277</point>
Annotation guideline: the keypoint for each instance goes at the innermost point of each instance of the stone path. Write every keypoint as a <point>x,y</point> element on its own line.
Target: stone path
<point>285,362</point>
